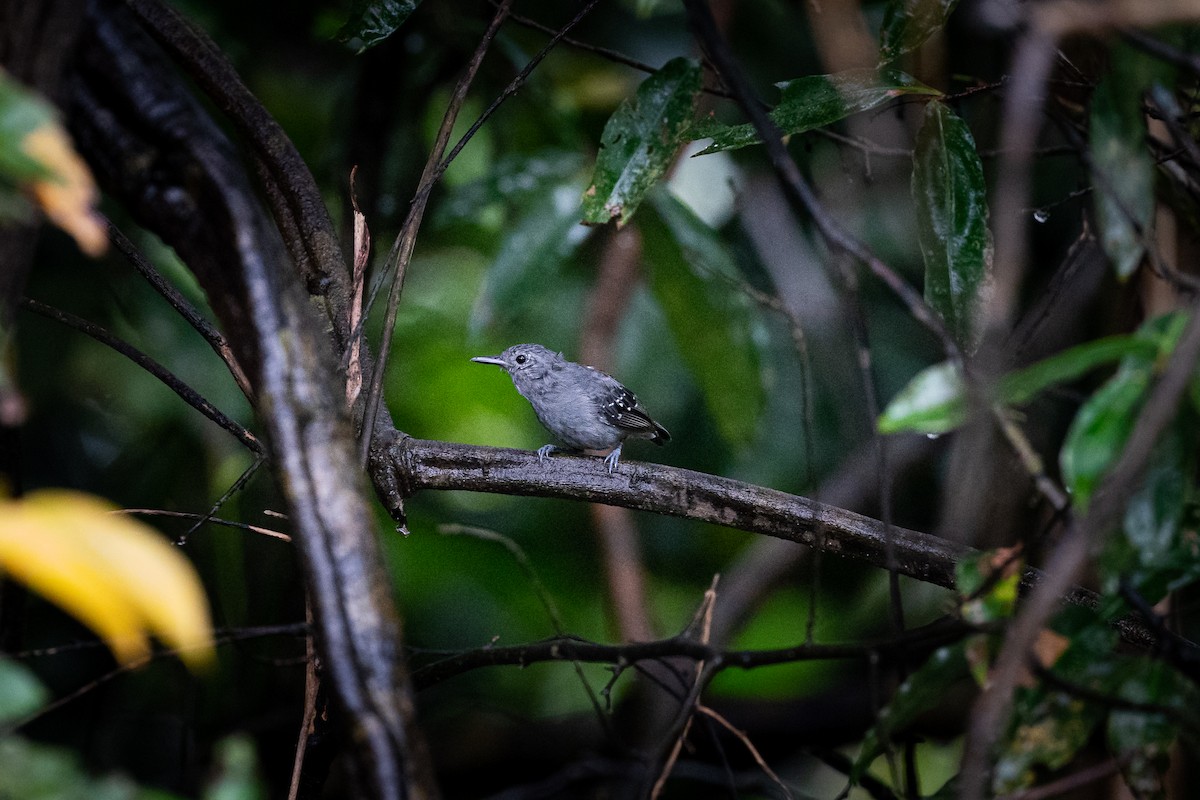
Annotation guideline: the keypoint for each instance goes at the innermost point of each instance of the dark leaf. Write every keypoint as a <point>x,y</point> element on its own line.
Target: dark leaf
<point>640,140</point>
<point>952,215</point>
<point>925,689</point>
<point>814,102</point>
<point>908,23</point>
<point>372,21</point>
<point>1122,165</point>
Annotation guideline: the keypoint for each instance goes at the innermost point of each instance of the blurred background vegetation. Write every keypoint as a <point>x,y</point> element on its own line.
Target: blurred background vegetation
<point>502,259</point>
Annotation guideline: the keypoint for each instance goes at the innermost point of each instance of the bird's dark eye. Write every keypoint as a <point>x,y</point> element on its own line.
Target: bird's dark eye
<point>521,359</point>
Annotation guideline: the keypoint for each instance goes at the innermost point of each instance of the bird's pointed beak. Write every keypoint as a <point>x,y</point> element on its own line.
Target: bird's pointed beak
<point>497,360</point>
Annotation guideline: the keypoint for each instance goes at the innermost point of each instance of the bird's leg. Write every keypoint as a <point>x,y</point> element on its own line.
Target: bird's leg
<point>612,458</point>
<point>544,452</point>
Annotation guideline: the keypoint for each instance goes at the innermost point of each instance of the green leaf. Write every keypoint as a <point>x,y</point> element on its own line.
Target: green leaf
<point>1142,740</point>
<point>640,140</point>
<point>21,113</point>
<point>20,692</point>
<point>952,214</point>
<point>1154,553</point>
<point>1000,600</point>
<point>1099,431</point>
<point>1122,165</point>
<point>1155,511</point>
<point>1102,425</point>
<point>933,402</point>
<point>815,101</point>
<point>908,23</point>
<point>534,250</point>
<point>925,689</point>
<point>1049,729</point>
<point>236,775</point>
<point>372,21</point>
<point>690,270</point>
<point>1020,387</point>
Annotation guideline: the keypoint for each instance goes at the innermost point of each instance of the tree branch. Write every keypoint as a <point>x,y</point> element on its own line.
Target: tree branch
<point>160,153</point>
<point>407,466</point>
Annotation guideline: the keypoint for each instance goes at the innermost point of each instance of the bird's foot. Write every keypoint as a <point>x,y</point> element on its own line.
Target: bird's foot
<point>544,452</point>
<point>612,458</point>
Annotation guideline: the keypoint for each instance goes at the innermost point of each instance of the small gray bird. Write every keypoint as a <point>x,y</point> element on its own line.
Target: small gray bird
<point>583,407</point>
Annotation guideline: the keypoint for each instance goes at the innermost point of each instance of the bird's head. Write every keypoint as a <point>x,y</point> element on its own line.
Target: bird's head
<point>526,360</point>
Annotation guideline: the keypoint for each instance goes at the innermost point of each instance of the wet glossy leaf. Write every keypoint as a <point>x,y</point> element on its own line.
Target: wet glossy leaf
<point>689,273</point>
<point>1021,386</point>
<point>1102,425</point>
<point>1100,430</point>
<point>640,141</point>
<point>1122,166</point>
<point>950,197</point>
<point>814,102</point>
<point>933,402</point>
<point>372,21</point>
<point>907,24</point>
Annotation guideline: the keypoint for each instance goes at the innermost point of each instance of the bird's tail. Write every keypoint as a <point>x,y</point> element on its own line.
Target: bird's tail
<point>660,436</point>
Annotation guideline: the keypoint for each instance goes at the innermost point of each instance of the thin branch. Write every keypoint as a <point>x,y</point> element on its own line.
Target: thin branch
<point>185,392</point>
<point>406,240</point>
<point>219,638</point>
<point>216,340</point>
<point>750,748</point>
<point>234,488</point>
<point>604,52</point>
<point>208,518</point>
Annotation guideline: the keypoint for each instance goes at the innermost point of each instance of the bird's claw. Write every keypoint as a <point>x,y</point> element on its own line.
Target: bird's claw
<point>612,458</point>
<point>544,452</point>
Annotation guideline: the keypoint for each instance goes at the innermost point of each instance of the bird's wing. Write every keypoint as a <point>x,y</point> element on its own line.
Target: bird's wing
<point>620,407</point>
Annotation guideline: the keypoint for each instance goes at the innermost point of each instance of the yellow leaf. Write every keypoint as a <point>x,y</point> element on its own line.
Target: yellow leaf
<point>68,195</point>
<point>113,573</point>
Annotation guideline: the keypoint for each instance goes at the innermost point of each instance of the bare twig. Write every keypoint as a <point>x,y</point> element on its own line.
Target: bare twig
<point>700,628</point>
<point>312,684</point>
<point>750,748</point>
<point>185,392</point>
<point>159,512</point>
<point>216,340</point>
<point>406,240</point>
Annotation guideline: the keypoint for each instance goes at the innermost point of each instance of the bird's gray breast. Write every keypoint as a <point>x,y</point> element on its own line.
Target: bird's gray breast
<point>565,401</point>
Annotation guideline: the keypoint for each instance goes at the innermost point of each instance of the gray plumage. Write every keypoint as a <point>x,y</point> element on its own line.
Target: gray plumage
<point>584,408</point>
